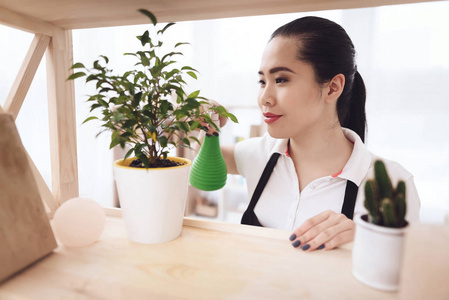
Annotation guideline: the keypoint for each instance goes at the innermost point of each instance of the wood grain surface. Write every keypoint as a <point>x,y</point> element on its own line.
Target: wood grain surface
<point>211,261</point>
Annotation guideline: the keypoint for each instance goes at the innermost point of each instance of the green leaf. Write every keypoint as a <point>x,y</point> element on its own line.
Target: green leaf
<point>78,65</point>
<point>106,59</point>
<point>195,139</point>
<point>103,103</point>
<point>144,38</point>
<point>188,68</point>
<point>190,105</point>
<point>232,117</point>
<point>179,44</point>
<point>186,141</point>
<point>194,94</point>
<point>143,58</point>
<point>166,27</point>
<point>149,15</point>
<point>94,106</point>
<point>144,159</point>
<point>162,141</point>
<point>90,118</point>
<point>170,54</point>
<point>76,75</point>
<point>183,126</point>
<point>136,99</point>
<point>192,74</point>
<point>164,107</point>
<point>128,154</point>
<point>138,148</point>
<point>170,74</point>
<point>115,141</point>
<point>91,77</point>
<point>126,135</point>
<point>194,125</point>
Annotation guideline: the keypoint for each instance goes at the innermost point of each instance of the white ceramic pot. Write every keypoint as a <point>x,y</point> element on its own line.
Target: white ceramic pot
<point>377,254</point>
<point>152,200</point>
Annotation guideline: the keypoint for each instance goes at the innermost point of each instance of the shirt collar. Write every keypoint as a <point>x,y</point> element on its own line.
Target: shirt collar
<point>281,147</point>
<point>356,167</point>
<point>359,162</point>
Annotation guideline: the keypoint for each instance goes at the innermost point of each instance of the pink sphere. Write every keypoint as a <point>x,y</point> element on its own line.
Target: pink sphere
<point>79,222</point>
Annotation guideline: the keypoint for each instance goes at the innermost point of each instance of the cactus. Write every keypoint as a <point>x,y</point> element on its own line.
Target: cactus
<point>386,206</point>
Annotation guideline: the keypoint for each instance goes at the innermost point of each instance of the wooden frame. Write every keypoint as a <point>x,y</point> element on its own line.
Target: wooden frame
<point>52,21</point>
<point>57,42</point>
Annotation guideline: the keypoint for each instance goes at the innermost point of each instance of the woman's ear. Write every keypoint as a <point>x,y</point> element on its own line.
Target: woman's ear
<point>335,87</point>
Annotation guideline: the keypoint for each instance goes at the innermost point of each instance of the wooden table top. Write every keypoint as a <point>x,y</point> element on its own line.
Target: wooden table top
<point>224,261</point>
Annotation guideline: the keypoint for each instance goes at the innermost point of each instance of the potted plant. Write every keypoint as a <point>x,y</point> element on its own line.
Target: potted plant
<point>379,236</point>
<point>148,110</point>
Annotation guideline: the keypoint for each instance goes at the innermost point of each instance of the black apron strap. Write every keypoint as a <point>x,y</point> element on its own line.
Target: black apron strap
<point>249,217</point>
<point>350,198</point>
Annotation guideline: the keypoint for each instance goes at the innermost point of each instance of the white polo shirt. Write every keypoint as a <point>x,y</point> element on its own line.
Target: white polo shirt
<point>283,206</point>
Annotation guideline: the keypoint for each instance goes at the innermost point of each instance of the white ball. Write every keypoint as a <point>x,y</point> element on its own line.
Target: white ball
<point>79,222</point>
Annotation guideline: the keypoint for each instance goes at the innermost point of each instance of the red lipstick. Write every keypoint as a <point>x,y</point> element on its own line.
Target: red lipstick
<point>270,117</point>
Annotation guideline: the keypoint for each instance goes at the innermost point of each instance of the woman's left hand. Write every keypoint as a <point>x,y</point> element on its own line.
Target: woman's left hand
<point>326,230</point>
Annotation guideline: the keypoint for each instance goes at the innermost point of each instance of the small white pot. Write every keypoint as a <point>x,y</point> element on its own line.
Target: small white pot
<point>152,200</point>
<point>377,254</point>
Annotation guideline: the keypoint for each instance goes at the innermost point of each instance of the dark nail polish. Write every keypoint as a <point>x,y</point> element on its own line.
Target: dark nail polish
<point>320,247</point>
<point>296,243</point>
<point>206,128</point>
<point>305,247</point>
<point>292,237</point>
<point>207,134</point>
<point>216,133</point>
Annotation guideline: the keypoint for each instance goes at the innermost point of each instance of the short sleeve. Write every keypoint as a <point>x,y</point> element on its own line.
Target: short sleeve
<point>242,155</point>
<point>251,155</point>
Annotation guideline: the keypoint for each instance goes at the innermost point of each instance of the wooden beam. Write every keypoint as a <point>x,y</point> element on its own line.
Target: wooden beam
<point>26,23</point>
<point>62,121</point>
<point>46,195</point>
<point>26,74</point>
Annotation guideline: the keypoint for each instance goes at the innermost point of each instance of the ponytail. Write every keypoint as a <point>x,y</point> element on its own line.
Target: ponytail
<point>355,118</point>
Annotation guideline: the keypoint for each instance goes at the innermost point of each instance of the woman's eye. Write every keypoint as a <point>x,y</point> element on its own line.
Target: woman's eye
<point>281,80</point>
<point>261,82</point>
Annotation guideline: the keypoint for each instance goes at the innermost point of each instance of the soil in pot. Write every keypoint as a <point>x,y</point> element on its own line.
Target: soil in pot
<point>160,163</point>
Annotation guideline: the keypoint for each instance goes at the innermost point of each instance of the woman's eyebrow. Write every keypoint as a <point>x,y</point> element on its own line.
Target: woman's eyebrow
<point>278,69</point>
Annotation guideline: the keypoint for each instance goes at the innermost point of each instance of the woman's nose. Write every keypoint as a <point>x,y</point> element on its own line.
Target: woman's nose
<point>266,97</point>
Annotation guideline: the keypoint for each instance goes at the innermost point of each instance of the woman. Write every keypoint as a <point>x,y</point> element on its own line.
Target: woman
<point>304,175</point>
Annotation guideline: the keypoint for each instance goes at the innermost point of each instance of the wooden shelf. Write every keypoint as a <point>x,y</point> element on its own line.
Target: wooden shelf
<point>215,261</point>
<point>101,13</point>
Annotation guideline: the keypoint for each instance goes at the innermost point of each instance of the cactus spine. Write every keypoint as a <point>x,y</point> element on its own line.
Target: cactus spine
<point>386,206</point>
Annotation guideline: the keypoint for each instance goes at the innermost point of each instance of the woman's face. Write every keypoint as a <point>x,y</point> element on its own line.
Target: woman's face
<point>289,97</point>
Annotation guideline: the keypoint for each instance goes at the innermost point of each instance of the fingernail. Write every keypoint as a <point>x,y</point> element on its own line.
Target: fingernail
<point>292,237</point>
<point>207,134</point>
<point>216,133</point>
<point>305,247</point>
<point>321,247</point>
<point>206,128</point>
<point>296,243</point>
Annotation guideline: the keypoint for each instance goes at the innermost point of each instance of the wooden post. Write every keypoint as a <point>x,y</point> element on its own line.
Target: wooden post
<point>62,121</point>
